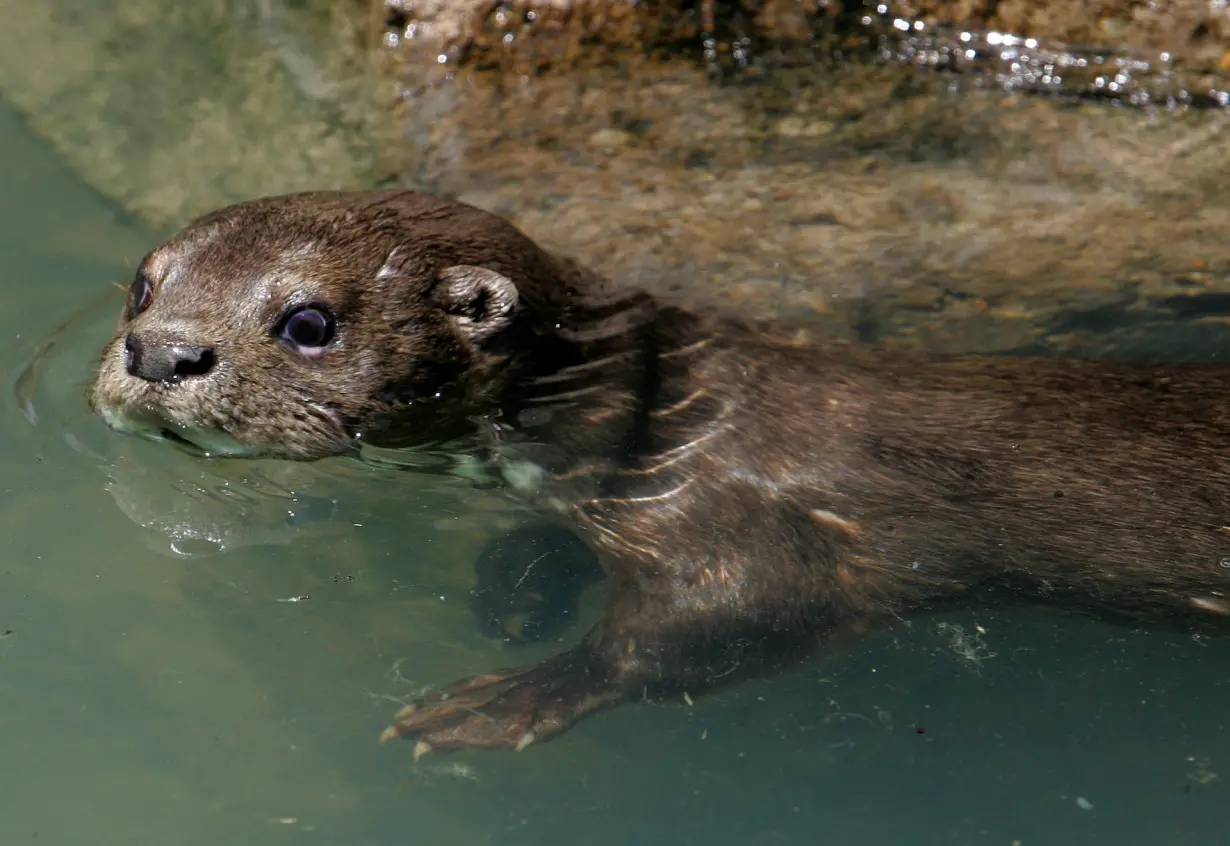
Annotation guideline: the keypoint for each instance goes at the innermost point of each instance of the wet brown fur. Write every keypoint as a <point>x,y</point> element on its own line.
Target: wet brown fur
<point>755,497</point>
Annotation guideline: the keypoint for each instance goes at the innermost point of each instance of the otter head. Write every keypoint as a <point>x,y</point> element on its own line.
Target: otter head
<point>296,326</point>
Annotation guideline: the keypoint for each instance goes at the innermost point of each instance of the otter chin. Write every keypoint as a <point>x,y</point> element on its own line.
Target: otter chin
<point>754,498</point>
<point>148,420</point>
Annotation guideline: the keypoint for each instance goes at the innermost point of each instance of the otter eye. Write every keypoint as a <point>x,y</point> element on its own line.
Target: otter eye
<point>307,329</point>
<point>140,295</point>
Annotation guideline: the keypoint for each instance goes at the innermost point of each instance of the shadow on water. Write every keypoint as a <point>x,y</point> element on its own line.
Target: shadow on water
<point>201,652</point>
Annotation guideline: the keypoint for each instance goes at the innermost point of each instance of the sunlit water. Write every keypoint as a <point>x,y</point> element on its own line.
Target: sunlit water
<point>204,653</point>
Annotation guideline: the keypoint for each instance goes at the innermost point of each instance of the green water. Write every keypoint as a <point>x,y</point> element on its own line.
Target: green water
<point>153,697</point>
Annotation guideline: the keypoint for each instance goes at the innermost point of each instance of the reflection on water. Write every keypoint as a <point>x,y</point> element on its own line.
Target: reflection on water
<point>1018,63</point>
<point>154,697</point>
<point>192,505</point>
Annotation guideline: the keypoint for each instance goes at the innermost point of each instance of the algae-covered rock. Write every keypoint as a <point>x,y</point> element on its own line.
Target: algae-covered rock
<point>171,108</point>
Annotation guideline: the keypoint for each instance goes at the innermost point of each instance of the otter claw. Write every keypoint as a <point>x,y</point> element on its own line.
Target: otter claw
<point>421,748</point>
<point>526,740</point>
<point>406,711</point>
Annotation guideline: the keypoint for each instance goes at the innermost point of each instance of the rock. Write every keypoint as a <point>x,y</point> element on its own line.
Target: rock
<point>866,192</point>
<point>611,139</point>
<point>797,127</point>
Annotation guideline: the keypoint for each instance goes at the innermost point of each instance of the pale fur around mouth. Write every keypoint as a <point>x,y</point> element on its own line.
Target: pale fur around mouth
<point>203,440</point>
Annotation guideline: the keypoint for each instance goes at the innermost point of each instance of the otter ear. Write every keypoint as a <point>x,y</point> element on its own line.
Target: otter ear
<point>482,301</point>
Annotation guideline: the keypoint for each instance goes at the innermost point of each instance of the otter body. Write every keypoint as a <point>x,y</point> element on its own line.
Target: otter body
<point>755,498</point>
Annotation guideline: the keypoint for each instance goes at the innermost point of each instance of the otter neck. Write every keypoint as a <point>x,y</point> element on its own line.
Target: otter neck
<point>584,411</point>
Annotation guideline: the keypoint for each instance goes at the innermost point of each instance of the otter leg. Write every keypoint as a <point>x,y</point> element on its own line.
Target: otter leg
<point>620,660</point>
<point>536,573</point>
<point>678,624</point>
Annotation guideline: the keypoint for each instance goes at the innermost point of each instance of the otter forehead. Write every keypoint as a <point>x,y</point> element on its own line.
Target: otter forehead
<point>252,261</point>
<point>205,280</point>
<point>222,250</point>
<point>297,247</point>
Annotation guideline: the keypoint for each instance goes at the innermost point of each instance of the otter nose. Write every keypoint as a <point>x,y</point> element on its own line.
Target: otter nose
<point>158,362</point>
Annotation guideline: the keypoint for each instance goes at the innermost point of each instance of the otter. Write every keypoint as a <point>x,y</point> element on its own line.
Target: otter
<point>538,571</point>
<point>756,498</point>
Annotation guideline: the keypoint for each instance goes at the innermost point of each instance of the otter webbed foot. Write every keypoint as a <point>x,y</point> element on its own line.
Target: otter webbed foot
<point>509,709</point>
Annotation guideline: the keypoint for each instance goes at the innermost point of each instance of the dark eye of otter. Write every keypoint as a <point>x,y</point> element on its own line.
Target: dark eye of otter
<point>308,329</point>
<point>140,295</point>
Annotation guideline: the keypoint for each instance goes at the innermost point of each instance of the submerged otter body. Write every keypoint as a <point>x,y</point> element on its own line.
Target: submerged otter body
<point>754,498</point>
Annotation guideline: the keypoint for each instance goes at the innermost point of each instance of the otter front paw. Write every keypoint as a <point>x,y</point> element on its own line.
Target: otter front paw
<point>508,709</point>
